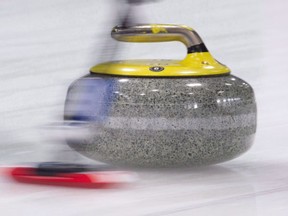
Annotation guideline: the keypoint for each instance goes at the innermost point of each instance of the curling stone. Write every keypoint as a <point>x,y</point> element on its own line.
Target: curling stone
<point>163,113</point>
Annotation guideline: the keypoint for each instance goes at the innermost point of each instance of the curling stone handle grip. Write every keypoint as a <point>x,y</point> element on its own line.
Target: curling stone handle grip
<point>160,33</point>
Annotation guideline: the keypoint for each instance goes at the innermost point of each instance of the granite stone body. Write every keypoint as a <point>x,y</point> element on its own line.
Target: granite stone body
<point>165,122</point>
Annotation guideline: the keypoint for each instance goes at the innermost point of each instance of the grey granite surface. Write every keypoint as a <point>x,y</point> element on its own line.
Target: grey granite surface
<point>165,121</point>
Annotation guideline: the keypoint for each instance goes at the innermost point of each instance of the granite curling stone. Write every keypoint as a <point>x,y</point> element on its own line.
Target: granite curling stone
<point>163,113</point>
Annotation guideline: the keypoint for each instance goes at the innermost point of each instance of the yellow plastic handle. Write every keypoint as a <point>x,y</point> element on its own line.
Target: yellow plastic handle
<point>198,61</point>
<point>160,33</point>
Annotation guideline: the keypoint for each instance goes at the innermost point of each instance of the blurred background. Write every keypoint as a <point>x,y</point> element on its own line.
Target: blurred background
<point>46,44</point>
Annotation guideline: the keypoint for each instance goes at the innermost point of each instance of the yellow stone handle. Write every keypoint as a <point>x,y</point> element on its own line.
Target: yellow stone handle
<point>160,33</point>
<point>198,61</point>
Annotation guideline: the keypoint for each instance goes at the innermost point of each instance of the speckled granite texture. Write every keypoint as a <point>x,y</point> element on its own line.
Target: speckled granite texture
<point>167,122</point>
